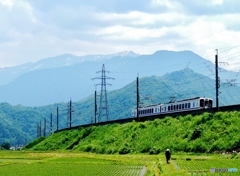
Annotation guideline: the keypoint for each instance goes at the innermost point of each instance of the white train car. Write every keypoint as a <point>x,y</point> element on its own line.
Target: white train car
<point>177,106</point>
<point>147,110</point>
<point>187,105</point>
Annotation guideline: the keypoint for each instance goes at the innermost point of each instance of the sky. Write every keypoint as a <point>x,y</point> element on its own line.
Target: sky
<point>31,30</point>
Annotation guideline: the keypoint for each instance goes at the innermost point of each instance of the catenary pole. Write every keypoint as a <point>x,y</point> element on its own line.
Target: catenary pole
<point>217,80</point>
<point>137,99</point>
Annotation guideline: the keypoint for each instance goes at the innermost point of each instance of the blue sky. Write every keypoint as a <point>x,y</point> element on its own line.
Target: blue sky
<point>31,30</point>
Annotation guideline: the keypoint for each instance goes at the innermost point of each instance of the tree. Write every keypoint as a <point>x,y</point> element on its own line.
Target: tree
<point>5,146</point>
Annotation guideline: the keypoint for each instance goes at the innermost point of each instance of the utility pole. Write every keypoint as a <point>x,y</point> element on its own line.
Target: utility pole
<point>95,107</point>
<point>137,99</point>
<point>217,80</point>
<point>37,130</point>
<point>44,132</point>
<point>70,114</point>
<point>57,118</point>
<point>103,107</point>
<point>51,124</point>
<point>40,129</point>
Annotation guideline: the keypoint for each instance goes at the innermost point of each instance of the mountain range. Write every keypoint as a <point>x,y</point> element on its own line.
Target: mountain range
<point>65,77</point>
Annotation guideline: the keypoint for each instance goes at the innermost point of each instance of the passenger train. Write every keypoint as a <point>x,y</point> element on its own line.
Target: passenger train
<point>173,107</point>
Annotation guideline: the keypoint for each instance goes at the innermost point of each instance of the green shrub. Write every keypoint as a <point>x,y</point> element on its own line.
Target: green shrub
<point>154,151</point>
<point>124,150</point>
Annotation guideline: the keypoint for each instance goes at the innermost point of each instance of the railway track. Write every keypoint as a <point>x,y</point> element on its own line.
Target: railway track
<point>159,116</point>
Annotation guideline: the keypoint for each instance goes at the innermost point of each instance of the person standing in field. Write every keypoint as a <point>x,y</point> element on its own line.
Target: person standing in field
<point>168,156</point>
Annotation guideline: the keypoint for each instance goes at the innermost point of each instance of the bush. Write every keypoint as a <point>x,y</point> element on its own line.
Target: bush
<point>154,151</point>
<point>124,150</point>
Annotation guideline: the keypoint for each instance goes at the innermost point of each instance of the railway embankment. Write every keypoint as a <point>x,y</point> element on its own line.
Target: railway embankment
<point>200,133</point>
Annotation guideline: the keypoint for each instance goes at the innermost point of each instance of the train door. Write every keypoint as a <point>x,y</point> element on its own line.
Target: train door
<point>202,103</point>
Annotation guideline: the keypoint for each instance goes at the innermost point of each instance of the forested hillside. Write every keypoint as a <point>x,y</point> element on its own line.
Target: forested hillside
<point>19,123</point>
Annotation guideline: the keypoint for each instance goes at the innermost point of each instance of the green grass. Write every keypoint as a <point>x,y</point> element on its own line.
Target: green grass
<point>202,165</point>
<point>74,163</point>
<point>205,133</point>
<point>64,163</point>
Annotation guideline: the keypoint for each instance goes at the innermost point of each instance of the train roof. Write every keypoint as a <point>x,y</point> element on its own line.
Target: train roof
<point>190,99</point>
<point>173,102</point>
<point>151,105</point>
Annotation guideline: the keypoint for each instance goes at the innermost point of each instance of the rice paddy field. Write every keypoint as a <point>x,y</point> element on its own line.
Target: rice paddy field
<point>26,163</point>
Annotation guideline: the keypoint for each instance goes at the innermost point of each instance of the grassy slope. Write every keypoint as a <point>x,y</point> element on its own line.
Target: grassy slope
<point>201,133</point>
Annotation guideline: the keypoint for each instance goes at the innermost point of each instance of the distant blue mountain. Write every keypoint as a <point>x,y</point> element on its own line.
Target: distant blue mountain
<point>60,78</point>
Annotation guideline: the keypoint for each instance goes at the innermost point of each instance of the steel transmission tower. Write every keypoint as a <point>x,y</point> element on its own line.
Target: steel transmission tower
<point>103,103</point>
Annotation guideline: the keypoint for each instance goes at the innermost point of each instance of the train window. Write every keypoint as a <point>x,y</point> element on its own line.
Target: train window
<point>182,106</point>
<point>193,104</point>
<point>168,108</point>
<point>206,103</point>
<point>171,107</point>
<point>210,104</point>
<point>165,108</point>
<point>188,105</point>
<point>152,110</point>
<point>177,107</point>
<point>185,105</point>
<point>174,107</point>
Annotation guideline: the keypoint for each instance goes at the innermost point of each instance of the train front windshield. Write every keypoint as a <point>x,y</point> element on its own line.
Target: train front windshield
<point>205,103</point>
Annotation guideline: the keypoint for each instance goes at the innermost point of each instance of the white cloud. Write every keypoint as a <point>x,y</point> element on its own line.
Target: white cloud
<point>8,3</point>
<point>32,30</point>
<point>217,2</point>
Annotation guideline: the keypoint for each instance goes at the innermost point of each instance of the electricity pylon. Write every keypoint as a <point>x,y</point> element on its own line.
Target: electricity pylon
<point>103,103</point>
